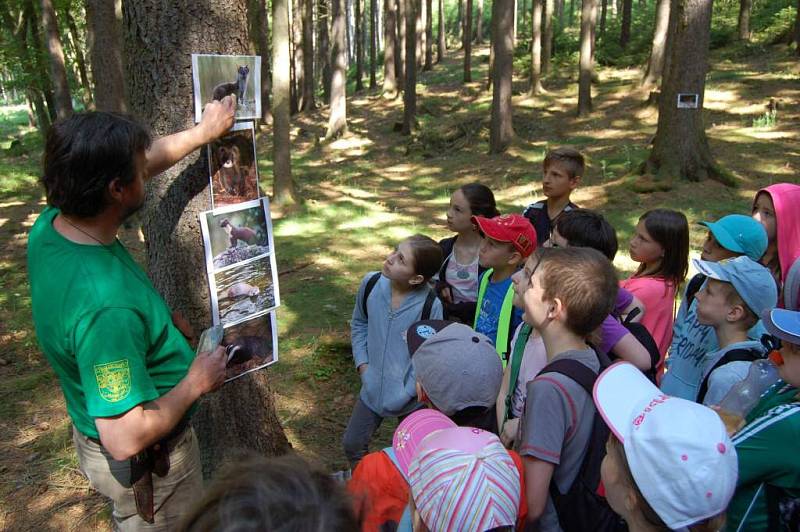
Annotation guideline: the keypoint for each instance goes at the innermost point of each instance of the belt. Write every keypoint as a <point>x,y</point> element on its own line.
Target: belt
<point>153,459</point>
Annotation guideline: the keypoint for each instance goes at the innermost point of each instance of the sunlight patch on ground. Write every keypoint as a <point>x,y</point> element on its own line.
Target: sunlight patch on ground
<point>351,143</point>
<point>367,221</point>
<point>768,135</point>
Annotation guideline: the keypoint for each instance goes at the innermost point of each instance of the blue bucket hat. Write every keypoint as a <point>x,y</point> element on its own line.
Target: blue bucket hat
<point>785,324</point>
<point>740,234</point>
<point>752,281</point>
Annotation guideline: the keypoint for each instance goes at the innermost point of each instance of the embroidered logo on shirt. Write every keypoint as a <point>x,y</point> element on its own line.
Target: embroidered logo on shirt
<point>113,380</point>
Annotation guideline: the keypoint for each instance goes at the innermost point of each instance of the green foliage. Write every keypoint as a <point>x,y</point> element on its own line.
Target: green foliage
<point>609,52</point>
<point>767,120</point>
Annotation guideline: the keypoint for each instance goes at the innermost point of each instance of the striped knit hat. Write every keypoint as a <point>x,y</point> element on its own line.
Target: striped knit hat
<point>464,479</point>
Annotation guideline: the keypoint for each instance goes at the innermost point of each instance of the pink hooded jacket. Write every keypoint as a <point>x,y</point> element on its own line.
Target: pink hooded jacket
<point>786,200</point>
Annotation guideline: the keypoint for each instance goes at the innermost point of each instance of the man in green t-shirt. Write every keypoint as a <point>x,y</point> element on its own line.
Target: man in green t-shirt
<point>128,373</point>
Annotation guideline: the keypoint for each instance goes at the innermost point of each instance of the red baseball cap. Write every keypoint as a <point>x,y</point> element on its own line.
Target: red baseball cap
<point>512,228</point>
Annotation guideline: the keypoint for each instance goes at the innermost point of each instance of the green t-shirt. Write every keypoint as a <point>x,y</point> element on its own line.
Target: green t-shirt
<point>102,326</point>
<point>768,459</point>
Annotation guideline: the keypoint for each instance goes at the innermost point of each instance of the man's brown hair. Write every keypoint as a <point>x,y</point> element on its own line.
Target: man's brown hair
<point>569,157</point>
<point>585,282</point>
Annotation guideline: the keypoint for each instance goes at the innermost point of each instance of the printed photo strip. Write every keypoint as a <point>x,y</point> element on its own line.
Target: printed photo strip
<point>217,76</point>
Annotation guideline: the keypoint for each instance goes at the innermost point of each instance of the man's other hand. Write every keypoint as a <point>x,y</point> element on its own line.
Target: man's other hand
<point>218,117</point>
<point>207,372</point>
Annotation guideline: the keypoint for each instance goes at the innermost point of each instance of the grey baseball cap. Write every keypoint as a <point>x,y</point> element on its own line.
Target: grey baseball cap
<point>457,367</point>
<point>752,281</point>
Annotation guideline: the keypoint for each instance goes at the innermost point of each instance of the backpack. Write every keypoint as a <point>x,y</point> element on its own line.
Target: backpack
<point>582,507</point>
<point>516,363</point>
<point>640,332</point>
<point>734,355</point>
<point>372,281</point>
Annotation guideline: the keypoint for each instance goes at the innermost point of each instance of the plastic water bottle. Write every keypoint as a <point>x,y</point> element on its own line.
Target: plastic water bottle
<point>744,395</point>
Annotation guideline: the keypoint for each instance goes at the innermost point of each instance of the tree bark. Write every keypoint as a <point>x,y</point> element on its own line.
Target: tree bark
<point>410,89</point>
<point>460,16</point>
<point>479,23</point>
<point>745,6</point>
<point>323,43</point>
<point>536,48</point>
<point>402,45</point>
<point>680,148</point>
<point>547,35</point>
<point>373,43</point>
<point>655,63</point>
<point>298,63</point>
<point>359,47</point>
<point>58,69</point>
<point>389,47</point>
<point>467,43</point>
<point>428,35</point>
<point>259,31</point>
<point>603,11</point>
<point>103,27</point>
<point>501,131</point>
<point>588,17</point>
<point>158,43</point>
<point>307,101</point>
<point>625,28</point>
<point>337,122</point>
<point>514,25</point>
<point>421,35</point>
<point>86,85</point>
<point>442,48</point>
<point>283,190</point>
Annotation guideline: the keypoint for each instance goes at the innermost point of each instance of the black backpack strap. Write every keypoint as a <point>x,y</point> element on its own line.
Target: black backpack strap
<point>631,315</point>
<point>428,305</point>
<point>734,355</point>
<point>371,282</point>
<point>575,371</point>
<point>693,287</point>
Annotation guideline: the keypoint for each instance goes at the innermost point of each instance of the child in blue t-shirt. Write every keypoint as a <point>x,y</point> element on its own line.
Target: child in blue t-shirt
<point>507,241</point>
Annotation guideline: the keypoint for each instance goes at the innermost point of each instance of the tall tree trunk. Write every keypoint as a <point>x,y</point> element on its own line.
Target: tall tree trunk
<point>307,7</point>
<point>571,12</point>
<point>514,25</point>
<point>490,70</point>
<point>655,63</point>
<point>337,122</point>
<point>442,47</point>
<point>501,131</point>
<point>461,22</point>
<point>86,85</point>
<point>536,48</point>
<point>283,190</point>
<point>428,34</point>
<point>103,28</point>
<point>479,23</point>
<point>467,43</point>
<point>588,17</point>
<point>410,89</point>
<point>797,28</point>
<point>603,12</point>
<point>159,79</point>
<point>421,35</point>
<point>259,31</point>
<point>389,47</point>
<point>323,42</point>
<point>298,47</point>
<point>745,6</point>
<point>400,50</point>
<point>58,69</point>
<point>359,48</point>
<point>547,35</point>
<point>625,28</point>
<point>373,43</point>
<point>680,148</point>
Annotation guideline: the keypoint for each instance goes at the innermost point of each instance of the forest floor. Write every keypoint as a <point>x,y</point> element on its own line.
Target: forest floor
<point>362,193</point>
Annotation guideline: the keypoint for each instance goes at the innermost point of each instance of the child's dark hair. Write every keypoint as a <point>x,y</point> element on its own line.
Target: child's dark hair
<point>671,230</point>
<point>583,279</point>
<point>480,199</point>
<point>427,255</point>
<point>277,494</point>
<point>84,153</point>
<point>588,229</point>
<point>569,157</point>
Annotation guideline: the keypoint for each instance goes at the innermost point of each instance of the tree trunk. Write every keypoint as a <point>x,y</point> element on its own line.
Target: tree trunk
<point>442,48</point>
<point>514,25</point>
<point>571,12</point>
<point>298,63</point>
<point>86,85</point>
<point>428,34</point>
<point>402,45</point>
<point>283,191</point>
<point>536,48</point>
<point>359,48</point>
<point>588,17</point>
<point>625,28</point>
<point>501,131</point>
<point>745,6</point>
<point>389,47</point>
<point>547,35</point>
<point>373,43</point>
<point>323,42</point>
<point>410,89</point>
<point>421,35</point>
<point>461,23</point>
<point>159,41</point>
<point>479,23</point>
<point>258,25</point>
<point>337,123</point>
<point>603,12</point>
<point>655,64</point>
<point>680,148</point>
<point>467,43</point>
<point>307,10</point>
<point>103,26</point>
<point>490,70</point>
<point>797,29</point>
<point>58,70</point>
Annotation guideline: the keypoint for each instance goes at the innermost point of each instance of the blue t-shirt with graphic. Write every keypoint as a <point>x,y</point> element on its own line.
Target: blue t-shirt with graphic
<point>489,313</point>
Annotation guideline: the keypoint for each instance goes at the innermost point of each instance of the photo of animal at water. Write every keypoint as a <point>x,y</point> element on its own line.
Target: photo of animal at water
<point>235,235</point>
<point>217,76</point>
<point>251,345</point>
<point>232,165</point>
<point>244,291</point>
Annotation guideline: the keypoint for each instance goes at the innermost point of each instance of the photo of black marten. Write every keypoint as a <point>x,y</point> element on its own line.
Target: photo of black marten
<point>249,345</point>
<point>233,169</point>
<point>237,87</point>
<point>215,77</point>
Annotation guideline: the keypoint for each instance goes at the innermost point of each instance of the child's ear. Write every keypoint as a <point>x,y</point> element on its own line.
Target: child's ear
<point>515,258</point>
<point>556,308</point>
<point>736,313</point>
<point>574,182</point>
<point>416,280</point>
